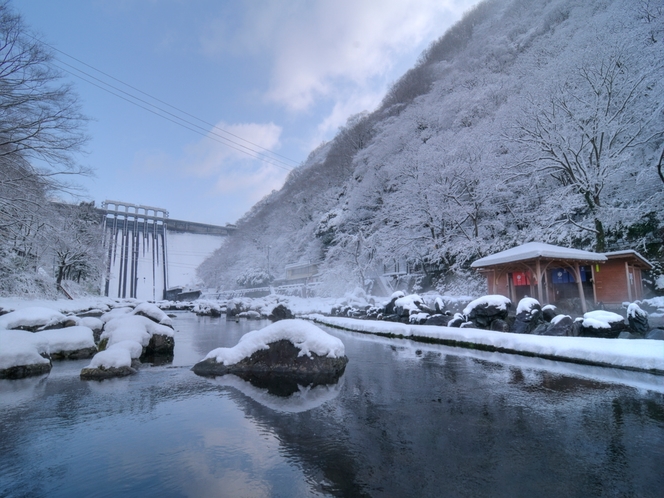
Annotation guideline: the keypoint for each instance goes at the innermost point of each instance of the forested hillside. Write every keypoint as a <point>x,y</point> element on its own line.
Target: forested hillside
<point>529,120</point>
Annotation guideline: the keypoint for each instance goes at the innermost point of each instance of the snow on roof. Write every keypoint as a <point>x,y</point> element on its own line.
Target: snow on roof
<point>304,335</point>
<point>628,252</point>
<point>533,250</point>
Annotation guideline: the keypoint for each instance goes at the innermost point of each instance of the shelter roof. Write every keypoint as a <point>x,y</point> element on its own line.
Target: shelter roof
<point>535,250</point>
<point>630,253</point>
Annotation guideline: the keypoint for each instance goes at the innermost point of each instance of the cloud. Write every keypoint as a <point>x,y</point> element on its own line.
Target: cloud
<point>321,49</point>
<point>219,152</point>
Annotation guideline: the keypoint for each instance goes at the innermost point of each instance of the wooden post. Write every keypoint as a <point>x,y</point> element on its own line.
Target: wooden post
<point>629,285</point>
<point>540,295</point>
<point>579,285</point>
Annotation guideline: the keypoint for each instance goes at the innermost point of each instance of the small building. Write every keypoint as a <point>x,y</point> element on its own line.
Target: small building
<point>301,272</point>
<point>552,273</point>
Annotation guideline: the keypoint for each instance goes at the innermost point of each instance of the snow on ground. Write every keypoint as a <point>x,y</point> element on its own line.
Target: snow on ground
<point>302,334</point>
<point>637,354</point>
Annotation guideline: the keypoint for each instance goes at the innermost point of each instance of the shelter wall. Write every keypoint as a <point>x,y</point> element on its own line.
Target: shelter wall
<point>613,286</point>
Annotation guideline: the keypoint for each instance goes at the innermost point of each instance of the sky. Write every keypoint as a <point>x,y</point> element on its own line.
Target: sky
<point>260,84</point>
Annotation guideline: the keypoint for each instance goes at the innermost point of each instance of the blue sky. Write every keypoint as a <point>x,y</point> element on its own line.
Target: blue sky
<point>283,75</point>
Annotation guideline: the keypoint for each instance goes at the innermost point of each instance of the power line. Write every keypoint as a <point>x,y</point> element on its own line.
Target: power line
<point>269,160</point>
<point>226,141</point>
<point>177,120</point>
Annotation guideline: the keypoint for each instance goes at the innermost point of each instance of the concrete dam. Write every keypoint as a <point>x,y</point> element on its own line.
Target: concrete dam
<point>151,256</point>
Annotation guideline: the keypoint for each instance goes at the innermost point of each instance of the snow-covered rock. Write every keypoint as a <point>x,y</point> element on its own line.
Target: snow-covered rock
<point>601,323</point>
<point>294,349</point>
<point>637,319</point>
<point>21,355</point>
<point>154,313</point>
<point>116,361</point>
<point>69,343</point>
<point>35,318</point>
<point>481,312</point>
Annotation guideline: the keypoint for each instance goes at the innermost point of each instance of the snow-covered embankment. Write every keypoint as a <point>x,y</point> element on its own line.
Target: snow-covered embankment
<point>631,354</point>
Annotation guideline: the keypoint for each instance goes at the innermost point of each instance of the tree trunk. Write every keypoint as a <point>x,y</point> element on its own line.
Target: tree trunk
<point>600,236</point>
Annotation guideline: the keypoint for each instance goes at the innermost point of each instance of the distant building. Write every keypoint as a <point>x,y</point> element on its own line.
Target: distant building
<point>301,273</point>
<point>552,273</point>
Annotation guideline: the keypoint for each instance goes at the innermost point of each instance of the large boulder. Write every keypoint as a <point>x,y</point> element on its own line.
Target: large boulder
<point>71,343</point>
<point>119,360</point>
<point>637,320</point>
<point>560,325</point>
<point>292,351</point>
<point>481,312</point>
<point>528,316</point>
<point>600,323</point>
<point>22,354</point>
<point>280,312</point>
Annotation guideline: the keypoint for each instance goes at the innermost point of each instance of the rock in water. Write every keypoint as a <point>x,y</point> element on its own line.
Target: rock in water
<point>637,320</point>
<point>288,350</point>
<point>280,312</point>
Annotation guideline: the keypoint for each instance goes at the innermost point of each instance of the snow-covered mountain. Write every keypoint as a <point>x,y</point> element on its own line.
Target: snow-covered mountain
<point>529,120</point>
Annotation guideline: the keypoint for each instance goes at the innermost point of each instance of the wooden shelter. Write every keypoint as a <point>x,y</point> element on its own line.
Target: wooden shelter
<point>551,273</point>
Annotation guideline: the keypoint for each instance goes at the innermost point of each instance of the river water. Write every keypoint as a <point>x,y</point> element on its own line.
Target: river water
<point>406,419</point>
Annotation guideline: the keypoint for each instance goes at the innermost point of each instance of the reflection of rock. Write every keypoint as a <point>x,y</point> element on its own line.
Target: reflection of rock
<point>657,334</point>
<point>300,400</point>
<point>101,372</point>
<point>22,371</point>
<point>279,364</point>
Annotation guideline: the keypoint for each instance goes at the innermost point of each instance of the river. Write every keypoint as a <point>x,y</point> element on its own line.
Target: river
<point>406,419</point>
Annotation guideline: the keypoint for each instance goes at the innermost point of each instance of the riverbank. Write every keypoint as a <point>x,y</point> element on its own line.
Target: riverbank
<point>641,355</point>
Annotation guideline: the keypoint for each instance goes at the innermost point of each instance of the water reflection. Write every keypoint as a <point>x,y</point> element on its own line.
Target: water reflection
<point>406,419</point>
<point>300,400</point>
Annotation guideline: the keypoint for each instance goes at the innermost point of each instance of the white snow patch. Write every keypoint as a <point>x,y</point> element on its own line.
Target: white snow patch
<point>526,304</point>
<point>634,310</point>
<point>154,312</point>
<point>304,335</point>
<point>133,327</point>
<point>601,319</point>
